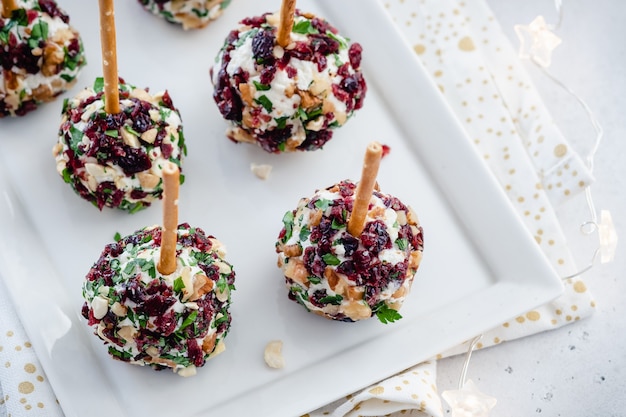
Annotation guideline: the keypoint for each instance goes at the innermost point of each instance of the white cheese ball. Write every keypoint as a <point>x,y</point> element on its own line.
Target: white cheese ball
<point>41,56</point>
<point>287,99</point>
<point>342,277</point>
<point>190,14</point>
<point>116,160</point>
<point>145,318</point>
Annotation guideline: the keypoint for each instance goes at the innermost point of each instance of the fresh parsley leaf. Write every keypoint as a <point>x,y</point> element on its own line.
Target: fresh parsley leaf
<point>281,122</point>
<point>331,299</point>
<point>265,102</point>
<point>179,284</point>
<point>260,87</point>
<point>342,41</point>
<point>314,280</point>
<point>402,243</point>
<point>221,284</point>
<point>330,259</point>
<point>322,204</point>
<point>304,234</point>
<point>336,225</point>
<point>189,319</point>
<point>98,85</point>
<point>76,138</point>
<point>304,27</point>
<point>288,222</point>
<point>386,314</point>
<point>117,237</point>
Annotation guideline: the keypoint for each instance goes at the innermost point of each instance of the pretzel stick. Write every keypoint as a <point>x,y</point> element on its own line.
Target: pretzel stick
<point>167,259</point>
<point>287,10</point>
<point>109,57</point>
<point>7,8</point>
<point>371,162</point>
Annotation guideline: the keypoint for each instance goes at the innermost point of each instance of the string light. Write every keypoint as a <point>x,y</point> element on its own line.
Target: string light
<point>537,42</point>
<point>467,400</point>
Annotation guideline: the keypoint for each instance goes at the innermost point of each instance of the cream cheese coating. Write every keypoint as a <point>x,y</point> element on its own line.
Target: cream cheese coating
<point>41,56</point>
<point>347,278</point>
<point>176,321</point>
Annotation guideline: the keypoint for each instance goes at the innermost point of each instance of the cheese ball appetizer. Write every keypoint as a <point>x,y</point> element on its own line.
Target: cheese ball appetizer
<point>190,14</point>
<point>341,277</point>
<point>41,56</point>
<point>292,98</point>
<point>116,160</point>
<point>176,321</point>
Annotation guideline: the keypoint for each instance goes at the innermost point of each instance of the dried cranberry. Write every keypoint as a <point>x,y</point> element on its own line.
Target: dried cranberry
<point>375,237</point>
<point>141,122</point>
<point>50,7</point>
<point>255,21</point>
<point>166,150</point>
<point>194,352</point>
<point>323,44</point>
<point>21,56</point>
<point>26,107</point>
<point>315,139</point>
<point>227,98</point>
<point>263,46</point>
<point>166,323</point>
<point>362,260</point>
<point>267,74</point>
<point>135,160</point>
<point>350,84</point>
<point>322,25</point>
<point>316,297</point>
<point>166,101</point>
<point>107,194</point>
<point>350,244</point>
<point>301,51</point>
<point>354,55</point>
<point>272,140</point>
<point>347,268</point>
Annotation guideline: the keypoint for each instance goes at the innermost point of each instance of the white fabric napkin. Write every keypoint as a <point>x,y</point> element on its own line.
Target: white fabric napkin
<point>477,70</point>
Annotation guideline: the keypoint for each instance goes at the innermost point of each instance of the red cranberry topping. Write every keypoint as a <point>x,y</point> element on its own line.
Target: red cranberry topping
<point>263,46</point>
<point>354,55</point>
<point>375,237</point>
<point>50,7</point>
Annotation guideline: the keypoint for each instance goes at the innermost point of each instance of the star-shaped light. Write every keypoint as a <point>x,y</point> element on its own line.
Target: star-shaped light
<point>537,41</point>
<point>468,401</point>
<point>608,237</point>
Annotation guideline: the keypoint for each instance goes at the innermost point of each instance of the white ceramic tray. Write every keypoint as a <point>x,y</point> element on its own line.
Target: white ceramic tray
<point>480,265</point>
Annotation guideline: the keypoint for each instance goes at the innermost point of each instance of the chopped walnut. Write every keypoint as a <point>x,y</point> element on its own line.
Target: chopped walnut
<point>273,354</point>
<point>262,171</point>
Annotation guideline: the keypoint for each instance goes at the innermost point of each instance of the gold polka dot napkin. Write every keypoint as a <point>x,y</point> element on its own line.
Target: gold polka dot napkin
<point>477,69</point>
<point>24,389</point>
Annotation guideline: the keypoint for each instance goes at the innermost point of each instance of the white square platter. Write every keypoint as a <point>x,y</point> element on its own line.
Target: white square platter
<point>480,268</point>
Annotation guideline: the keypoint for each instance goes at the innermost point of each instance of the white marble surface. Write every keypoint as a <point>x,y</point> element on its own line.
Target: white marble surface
<point>578,370</point>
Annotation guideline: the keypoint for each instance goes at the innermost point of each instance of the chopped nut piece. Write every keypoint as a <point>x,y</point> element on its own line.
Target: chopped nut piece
<point>262,171</point>
<point>100,306</point>
<point>273,354</point>
<point>147,180</point>
<point>149,135</point>
<point>297,271</point>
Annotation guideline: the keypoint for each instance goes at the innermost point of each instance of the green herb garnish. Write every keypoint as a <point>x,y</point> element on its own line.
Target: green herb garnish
<point>386,314</point>
<point>288,222</point>
<point>330,259</point>
<point>265,102</point>
<point>304,27</point>
<point>331,299</point>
